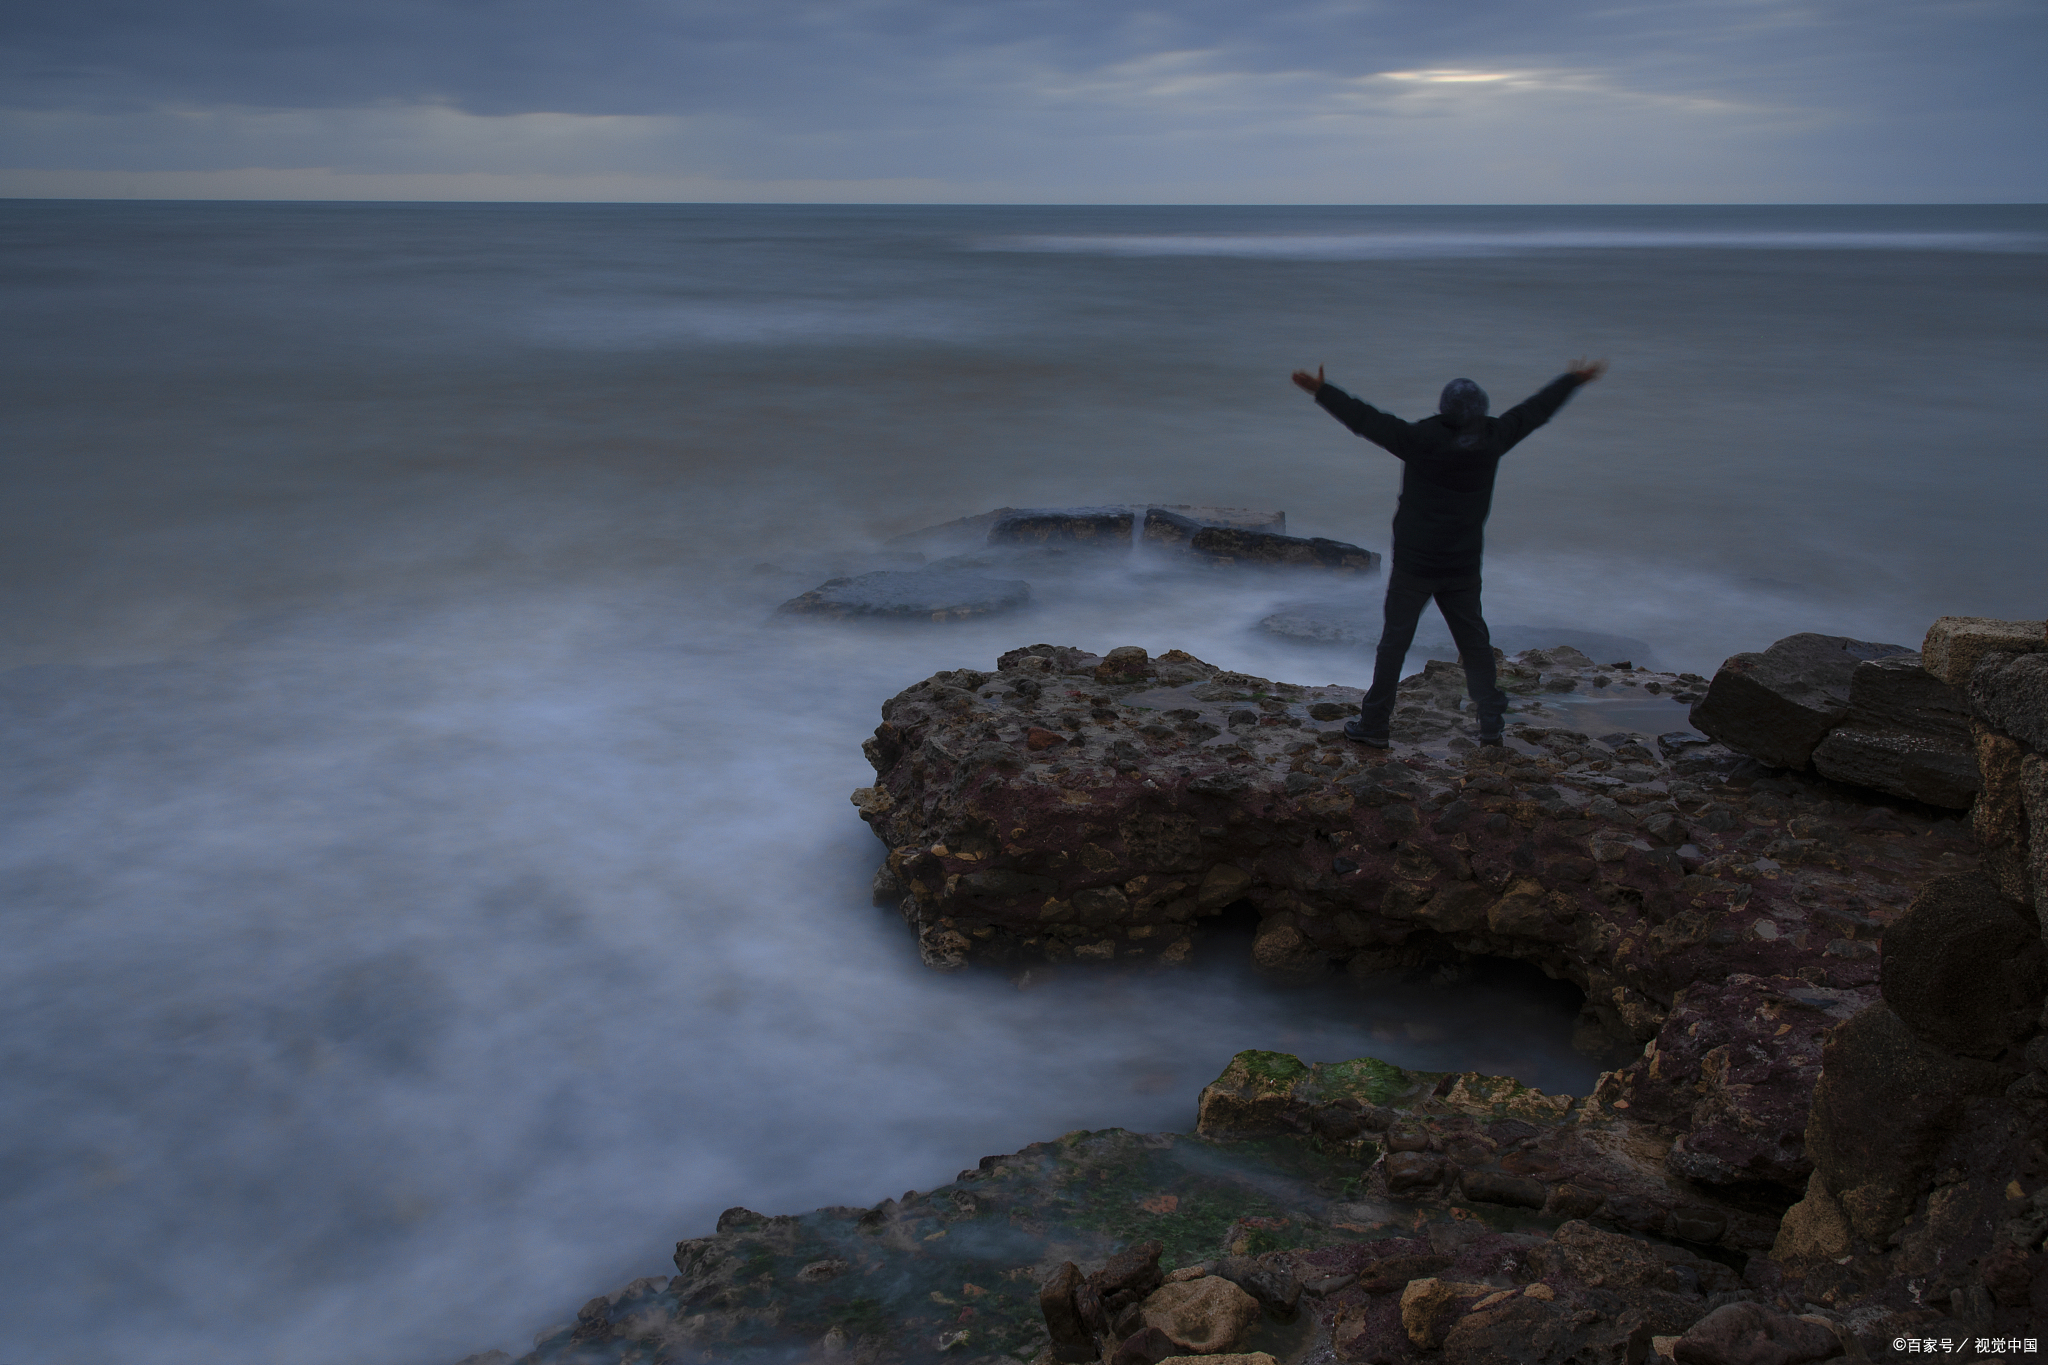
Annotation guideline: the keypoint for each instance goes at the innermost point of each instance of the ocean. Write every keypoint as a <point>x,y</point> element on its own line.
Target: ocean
<point>430,888</point>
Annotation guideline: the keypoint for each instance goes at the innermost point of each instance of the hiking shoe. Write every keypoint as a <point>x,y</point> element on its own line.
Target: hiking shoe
<point>1493,741</point>
<point>1354,731</point>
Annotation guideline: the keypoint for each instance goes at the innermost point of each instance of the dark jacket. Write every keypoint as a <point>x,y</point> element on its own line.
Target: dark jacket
<point>1446,474</point>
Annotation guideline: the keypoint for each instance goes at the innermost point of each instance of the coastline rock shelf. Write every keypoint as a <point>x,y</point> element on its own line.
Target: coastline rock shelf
<point>1835,1141</point>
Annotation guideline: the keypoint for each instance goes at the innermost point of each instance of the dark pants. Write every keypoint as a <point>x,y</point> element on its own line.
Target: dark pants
<point>1458,600</point>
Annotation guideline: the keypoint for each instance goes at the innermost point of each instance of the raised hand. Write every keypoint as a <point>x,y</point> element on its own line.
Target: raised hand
<point>1313,383</point>
<point>1586,371</point>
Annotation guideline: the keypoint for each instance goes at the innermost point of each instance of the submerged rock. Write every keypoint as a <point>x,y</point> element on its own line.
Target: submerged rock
<point>1103,528</point>
<point>1219,544</point>
<point>937,594</point>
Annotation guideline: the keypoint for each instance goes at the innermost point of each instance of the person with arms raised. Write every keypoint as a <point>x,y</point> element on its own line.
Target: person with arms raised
<point>1447,468</point>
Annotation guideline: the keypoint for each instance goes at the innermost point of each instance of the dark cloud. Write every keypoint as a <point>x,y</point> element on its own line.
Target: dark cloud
<point>783,58</point>
<point>1832,93</point>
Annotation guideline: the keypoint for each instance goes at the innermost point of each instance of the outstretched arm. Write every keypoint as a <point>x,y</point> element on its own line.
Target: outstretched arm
<point>1382,429</point>
<point>1532,412</point>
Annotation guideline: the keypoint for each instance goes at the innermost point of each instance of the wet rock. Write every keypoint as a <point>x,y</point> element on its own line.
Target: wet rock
<point>1236,545</point>
<point>2010,693</point>
<point>1209,1316</point>
<point>1751,1334</point>
<point>1777,705</point>
<point>1130,1275</point>
<point>1492,1187</point>
<point>1413,1170</point>
<point>1955,644</point>
<point>1179,521</point>
<point>1528,1330</point>
<point>1906,732</point>
<point>1813,1230</point>
<point>1277,1288</point>
<point>935,594</point>
<point>1146,1347</point>
<point>1072,1341</point>
<point>1393,1273</point>
<point>1604,1259</point>
<point>1430,1306</point>
<point>1965,967</point>
<point>1106,528</point>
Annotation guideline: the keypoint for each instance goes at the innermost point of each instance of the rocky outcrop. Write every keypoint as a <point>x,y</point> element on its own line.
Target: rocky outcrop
<point>1136,1247</point>
<point>1779,704</point>
<point>1464,1139</point>
<point>937,593</point>
<point>1849,1076</point>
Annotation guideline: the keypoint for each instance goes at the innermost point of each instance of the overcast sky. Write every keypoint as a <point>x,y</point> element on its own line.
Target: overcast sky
<point>1209,101</point>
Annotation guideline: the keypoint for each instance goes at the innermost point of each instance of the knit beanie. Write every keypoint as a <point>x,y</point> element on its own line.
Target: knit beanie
<point>1463,403</point>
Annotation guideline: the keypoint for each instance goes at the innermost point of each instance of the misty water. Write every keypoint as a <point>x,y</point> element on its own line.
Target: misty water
<point>430,888</point>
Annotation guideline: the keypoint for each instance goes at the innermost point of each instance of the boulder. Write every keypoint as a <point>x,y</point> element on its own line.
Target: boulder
<point>936,594</point>
<point>1430,1306</point>
<point>1072,1341</point>
<point>1812,1230</point>
<point>1603,1259</point>
<point>1131,1274</point>
<point>1147,1347</point>
<point>1965,967</point>
<point>2010,693</point>
<point>1777,705</point>
<point>1906,732</point>
<point>1103,528</point>
<point>1529,1330</point>
<point>1751,1334</point>
<point>1276,1287</point>
<point>1885,1101</point>
<point>1208,1316</point>
<point>1954,644</point>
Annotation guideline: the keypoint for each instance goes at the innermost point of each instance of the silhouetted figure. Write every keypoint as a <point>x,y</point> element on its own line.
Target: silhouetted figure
<point>1447,468</point>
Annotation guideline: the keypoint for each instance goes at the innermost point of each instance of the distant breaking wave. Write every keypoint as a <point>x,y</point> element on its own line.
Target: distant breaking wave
<point>1362,246</point>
